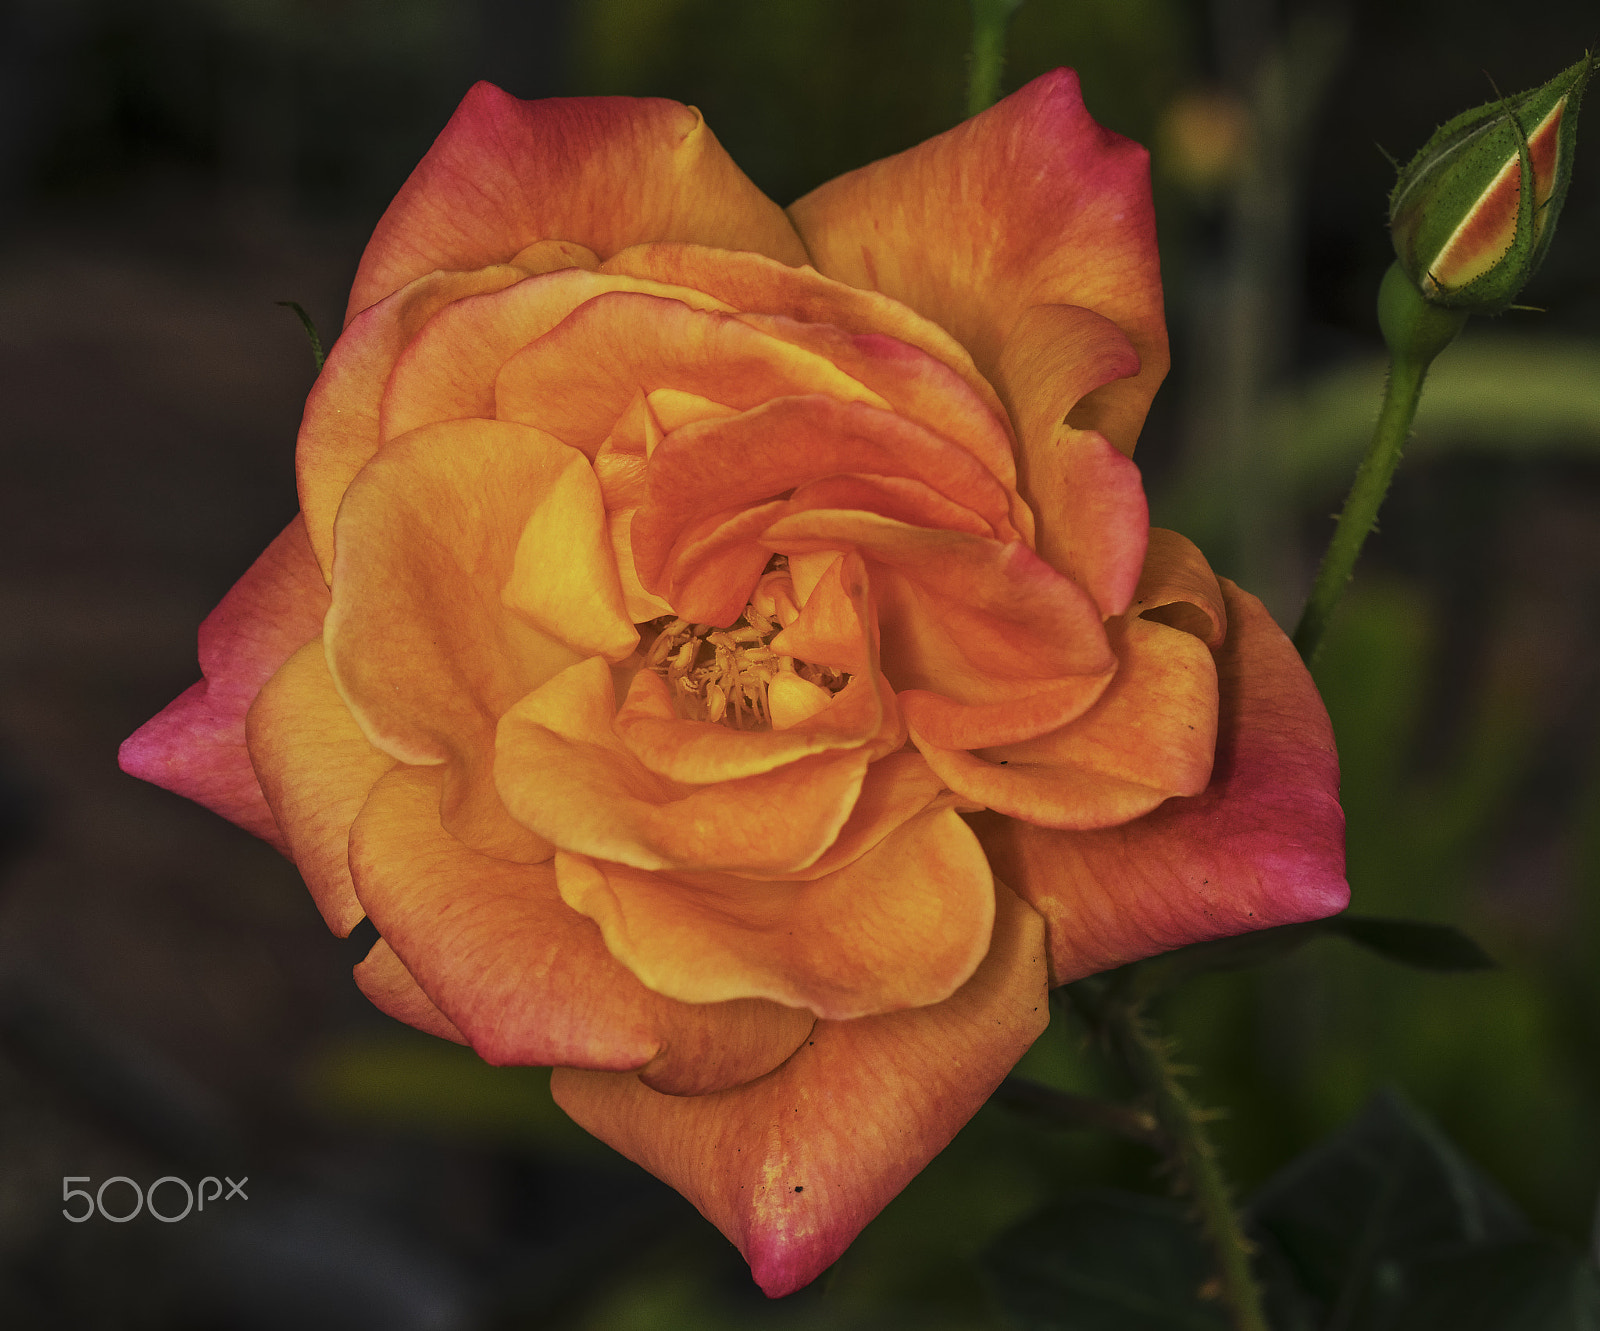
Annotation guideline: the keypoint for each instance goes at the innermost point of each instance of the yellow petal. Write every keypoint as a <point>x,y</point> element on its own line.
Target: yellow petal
<point>903,925</point>
<point>316,770</point>
<point>340,431</point>
<point>526,979</point>
<point>564,772</point>
<point>425,652</point>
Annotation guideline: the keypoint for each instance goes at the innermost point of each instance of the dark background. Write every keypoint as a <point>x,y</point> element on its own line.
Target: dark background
<point>169,1001</point>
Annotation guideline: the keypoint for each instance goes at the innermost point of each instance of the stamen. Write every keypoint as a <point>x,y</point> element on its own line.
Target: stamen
<point>722,674</point>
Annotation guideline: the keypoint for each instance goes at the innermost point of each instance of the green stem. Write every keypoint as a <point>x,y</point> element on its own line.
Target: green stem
<point>1416,332</point>
<point>1052,1108</point>
<point>1148,1056</point>
<point>990,18</point>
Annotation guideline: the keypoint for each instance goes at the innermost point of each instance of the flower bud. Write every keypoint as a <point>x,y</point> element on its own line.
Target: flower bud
<point>1473,213</point>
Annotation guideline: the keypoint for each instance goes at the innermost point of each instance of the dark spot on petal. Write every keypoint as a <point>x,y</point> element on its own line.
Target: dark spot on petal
<point>799,1187</point>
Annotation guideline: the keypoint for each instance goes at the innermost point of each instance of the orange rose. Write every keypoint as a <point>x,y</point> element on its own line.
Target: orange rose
<point>695,607</point>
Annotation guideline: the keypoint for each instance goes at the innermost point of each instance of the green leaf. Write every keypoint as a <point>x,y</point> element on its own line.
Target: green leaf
<point>1418,943</point>
<point>1533,1285</point>
<point>317,354</point>
<point>1429,947</point>
<point>1352,1217</point>
<point>1103,1260</point>
<point>1156,975</point>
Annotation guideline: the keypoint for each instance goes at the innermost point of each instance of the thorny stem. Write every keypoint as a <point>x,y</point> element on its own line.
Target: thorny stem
<point>990,19</point>
<point>1416,332</point>
<point>1148,1056</point>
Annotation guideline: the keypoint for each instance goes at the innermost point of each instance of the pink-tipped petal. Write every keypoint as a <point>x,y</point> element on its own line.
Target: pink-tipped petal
<point>195,747</point>
<point>1263,844</point>
<point>1030,203</point>
<point>606,172</point>
<point>791,1167</point>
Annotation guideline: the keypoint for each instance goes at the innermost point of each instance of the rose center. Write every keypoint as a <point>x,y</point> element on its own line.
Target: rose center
<point>733,677</point>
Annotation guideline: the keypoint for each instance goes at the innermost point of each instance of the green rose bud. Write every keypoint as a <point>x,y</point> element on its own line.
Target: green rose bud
<point>1473,213</point>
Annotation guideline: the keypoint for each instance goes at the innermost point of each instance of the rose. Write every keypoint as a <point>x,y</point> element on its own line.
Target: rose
<point>780,901</point>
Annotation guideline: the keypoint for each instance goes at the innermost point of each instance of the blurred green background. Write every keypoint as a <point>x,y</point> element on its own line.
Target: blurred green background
<point>170,168</point>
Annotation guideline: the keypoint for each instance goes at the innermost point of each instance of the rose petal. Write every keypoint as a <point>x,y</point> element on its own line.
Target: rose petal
<point>1055,355</point>
<point>904,925</point>
<point>526,979</point>
<point>1262,846</point>
<point>316,770</point>
<point>701,752</point>
<point>619,466</point>
<point>564,772</point>
<point>1150,735</point>
<point>708,467</point>
<point>897,788</point>
<point>448,370</point>
<point>913,383</point>
<point>1094,521</point>
<point>1178,588</point>
<point>424,638</point>
<point>714,565</point>
<point>898,497</point>
<point>195,746</point>
<point>792,1167</point>
<point>1030,203</point>
<point>340,431</point>
<point>576,380</point>
<point>1088,496</point>
<point>986,643</point>
<point>383,978</point>
<point>606,172</point>
<point>758,284</point>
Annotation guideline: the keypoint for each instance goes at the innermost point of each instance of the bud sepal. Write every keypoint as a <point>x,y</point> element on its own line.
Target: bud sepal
<point>1472,215</point>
